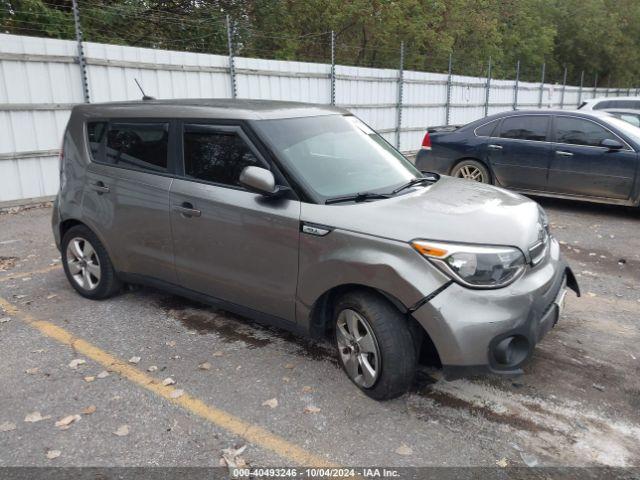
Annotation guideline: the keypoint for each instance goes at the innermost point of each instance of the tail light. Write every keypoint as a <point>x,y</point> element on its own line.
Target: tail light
<point>426,141</point>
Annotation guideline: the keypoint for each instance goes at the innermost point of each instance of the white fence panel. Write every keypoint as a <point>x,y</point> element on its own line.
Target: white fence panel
<point>40,81</point>
<point>38,84</point>
<point>371,94</point>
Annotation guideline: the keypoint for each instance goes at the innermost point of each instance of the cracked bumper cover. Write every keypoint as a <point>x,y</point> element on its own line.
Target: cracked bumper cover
<point>466,325</point>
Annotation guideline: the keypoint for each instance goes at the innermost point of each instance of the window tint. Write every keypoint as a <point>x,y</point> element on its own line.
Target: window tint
<point>577,131</point>
<point>487,129</point>
<point>95,132</point>
<point>631,104</point>
<point>138,145</point>
<point>216,156</point>
<point>525,127</point>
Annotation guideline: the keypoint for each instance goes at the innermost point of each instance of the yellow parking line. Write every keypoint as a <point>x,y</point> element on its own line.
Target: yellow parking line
<point>28,274</point>
<point>250,432</point>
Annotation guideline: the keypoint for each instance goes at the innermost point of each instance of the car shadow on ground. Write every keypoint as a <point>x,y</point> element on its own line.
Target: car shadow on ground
<point>589,208</point>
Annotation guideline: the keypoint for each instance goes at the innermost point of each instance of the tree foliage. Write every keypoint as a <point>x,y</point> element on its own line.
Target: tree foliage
<point>595,36</point>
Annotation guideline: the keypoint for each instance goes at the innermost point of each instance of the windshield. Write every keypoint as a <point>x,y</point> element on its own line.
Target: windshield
<point>336,155</point>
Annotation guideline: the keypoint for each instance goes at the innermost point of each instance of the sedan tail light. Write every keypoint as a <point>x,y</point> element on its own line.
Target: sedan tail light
<point>426,141</point>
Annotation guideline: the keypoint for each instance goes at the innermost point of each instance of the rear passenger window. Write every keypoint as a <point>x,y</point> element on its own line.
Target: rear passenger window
<point>525,127</point>
<point>138,145</point>
<point>487,129</point>
<point>216,156</point>
<point>631,104</point>
<point>577,131</point>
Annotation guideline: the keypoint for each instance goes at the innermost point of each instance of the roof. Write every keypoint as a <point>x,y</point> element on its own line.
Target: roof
<point>224,108</point>
<point>546,111</point>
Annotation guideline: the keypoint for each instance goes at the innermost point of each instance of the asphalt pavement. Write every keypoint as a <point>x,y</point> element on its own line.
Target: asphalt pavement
<point>151,379</point>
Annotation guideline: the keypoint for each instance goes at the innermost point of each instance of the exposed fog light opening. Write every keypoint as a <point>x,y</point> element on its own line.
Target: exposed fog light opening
<point>511,351</point>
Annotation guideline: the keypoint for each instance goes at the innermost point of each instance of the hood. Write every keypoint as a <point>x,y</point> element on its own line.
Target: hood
<point>450,210</point>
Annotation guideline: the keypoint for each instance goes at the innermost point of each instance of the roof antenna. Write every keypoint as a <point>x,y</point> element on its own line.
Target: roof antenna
<point>144,95</point>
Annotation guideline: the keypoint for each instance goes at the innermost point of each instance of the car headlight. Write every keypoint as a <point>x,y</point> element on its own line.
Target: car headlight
<point>474,266</point>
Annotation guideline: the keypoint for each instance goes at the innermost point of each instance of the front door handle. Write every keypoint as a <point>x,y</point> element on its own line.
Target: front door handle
<point>187,210</point>
<point>100,187</point>
<point>493,146</point>
<point>563,153</point>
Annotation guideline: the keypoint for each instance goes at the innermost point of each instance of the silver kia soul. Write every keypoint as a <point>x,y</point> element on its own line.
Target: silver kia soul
<point>302,216</point>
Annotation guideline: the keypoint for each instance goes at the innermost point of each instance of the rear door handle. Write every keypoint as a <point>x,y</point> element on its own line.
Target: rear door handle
<point>187,210</point>
<point>100,187</point>
<point>562,153</point>
<point>493,146</point>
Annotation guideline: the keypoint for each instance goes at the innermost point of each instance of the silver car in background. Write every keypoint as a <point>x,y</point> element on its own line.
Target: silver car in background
<point>303,217</point>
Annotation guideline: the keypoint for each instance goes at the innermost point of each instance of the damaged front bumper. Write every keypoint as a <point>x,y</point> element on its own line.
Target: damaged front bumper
<point>495,331</point>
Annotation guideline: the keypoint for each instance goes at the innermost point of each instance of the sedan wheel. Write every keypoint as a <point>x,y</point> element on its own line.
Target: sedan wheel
<point>358,347</point>
<point>471,173</point>
<point>83,263</point>
<point>471,170</point>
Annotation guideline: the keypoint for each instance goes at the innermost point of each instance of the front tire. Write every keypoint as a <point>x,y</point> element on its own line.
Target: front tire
<point>87,264</point>
<point>375,346</point>
<point>471,170</point>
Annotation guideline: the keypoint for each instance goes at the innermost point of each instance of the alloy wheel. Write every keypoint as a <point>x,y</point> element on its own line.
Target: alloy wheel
<point>83,263</point>
<point>358,348</point>
<point>470,172</point>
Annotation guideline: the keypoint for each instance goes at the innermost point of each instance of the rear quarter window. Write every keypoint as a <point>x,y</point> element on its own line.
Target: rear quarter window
<point>487,129</point>
<point>95,135</point>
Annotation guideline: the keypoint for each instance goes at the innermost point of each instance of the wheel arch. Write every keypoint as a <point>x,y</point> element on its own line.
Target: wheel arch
<point>68,223</point>
<point>321,319</point>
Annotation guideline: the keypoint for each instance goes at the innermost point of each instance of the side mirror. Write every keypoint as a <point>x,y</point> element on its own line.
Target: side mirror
<point>611,144</point>
<point>260,180</point>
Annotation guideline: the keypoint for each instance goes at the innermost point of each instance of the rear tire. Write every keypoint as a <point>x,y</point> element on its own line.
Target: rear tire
<point>375,346</point>
<point>87,264</point>
<point>471,170</point>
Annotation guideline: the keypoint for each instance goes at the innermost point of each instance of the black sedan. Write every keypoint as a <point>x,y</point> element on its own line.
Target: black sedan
<point>588,155</point>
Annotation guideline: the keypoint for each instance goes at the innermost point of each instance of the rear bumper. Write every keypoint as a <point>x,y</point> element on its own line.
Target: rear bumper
<point>480,331</point>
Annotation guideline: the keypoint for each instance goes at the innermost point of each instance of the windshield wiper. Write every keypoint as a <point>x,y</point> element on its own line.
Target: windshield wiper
<point>358,197</point>
<point>411,183</point>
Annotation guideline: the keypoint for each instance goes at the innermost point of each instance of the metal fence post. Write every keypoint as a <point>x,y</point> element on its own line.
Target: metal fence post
<point>544,65</point>
<point>447,107</point>
<point>515,86</point>
<point>81,59</point>
<point>595,85</point>
<point>580,89</point>
<point>487,89</point>
<point>399,104</point>
<point>606,94</point>
<point>564,86</point>
<point>333,67</point>
<point>232,63</point>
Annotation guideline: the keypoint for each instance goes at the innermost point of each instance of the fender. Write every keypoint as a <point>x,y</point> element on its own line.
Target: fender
<point>348,258</point>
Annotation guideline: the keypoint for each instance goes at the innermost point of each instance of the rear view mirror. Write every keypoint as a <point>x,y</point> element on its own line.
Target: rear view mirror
<point>611,144</point>
<point>260,180</point>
